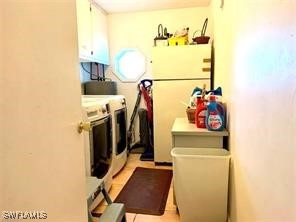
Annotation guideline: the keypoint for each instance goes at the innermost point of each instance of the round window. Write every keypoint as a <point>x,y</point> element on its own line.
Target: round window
<point>129,65</point>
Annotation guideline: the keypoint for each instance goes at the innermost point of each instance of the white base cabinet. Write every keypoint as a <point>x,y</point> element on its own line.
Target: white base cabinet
<point>185,134</point>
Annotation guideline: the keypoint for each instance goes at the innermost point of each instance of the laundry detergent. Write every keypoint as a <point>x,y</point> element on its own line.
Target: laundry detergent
<point>200,114</point>
<point>215,116</point>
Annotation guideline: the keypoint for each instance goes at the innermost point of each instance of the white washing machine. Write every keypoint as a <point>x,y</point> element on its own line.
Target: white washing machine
<point>98,143</point>
<point>119,115</point>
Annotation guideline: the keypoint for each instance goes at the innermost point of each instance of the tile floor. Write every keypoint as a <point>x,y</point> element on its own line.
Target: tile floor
<point>170,214</point>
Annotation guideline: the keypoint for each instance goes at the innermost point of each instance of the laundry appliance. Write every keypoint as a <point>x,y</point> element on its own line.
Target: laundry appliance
<point>118,111</point>
<point>98,143</point>
<point>176,71</point>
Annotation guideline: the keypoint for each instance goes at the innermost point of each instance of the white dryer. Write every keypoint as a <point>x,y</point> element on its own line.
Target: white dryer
<point>119,115</point>
<point>98,143</point>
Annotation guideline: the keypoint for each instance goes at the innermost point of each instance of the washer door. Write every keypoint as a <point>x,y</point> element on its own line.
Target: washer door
<point>120,134</point>
<point>101,147</point>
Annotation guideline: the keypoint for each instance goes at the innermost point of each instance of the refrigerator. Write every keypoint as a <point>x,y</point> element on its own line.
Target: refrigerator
<point>176,71</point>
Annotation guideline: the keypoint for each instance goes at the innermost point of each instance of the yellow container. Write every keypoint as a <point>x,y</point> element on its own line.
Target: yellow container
<point>178,40</point>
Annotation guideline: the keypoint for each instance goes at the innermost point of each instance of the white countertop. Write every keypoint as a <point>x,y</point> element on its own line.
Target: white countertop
<point>181,126</point>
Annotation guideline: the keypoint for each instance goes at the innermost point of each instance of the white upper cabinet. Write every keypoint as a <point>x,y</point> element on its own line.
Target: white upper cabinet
<point>92,33</point>
<point>84,29</point>
<point>99,36</point>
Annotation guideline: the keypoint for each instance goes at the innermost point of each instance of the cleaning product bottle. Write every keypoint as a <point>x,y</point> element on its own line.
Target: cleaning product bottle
<point>200,114</point>
<point>215,115</point>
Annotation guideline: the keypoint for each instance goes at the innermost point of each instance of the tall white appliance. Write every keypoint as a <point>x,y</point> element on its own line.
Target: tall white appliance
<point>98,144</point>
<point>176,71</point>
<point>118,112</point>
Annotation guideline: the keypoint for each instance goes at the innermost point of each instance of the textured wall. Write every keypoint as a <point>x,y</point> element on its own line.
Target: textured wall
<point>260,84</point>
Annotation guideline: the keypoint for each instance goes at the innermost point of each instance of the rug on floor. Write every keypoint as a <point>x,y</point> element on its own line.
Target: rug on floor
<point>146,191</point>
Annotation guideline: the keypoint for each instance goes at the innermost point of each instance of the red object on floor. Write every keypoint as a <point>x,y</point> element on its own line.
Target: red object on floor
<point>148,103</point>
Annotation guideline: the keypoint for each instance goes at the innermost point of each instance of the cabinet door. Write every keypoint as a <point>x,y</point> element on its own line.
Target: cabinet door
<point>181,62</point>
<point>84,29</point>
<point>167,106</point>
<point>99,36</point>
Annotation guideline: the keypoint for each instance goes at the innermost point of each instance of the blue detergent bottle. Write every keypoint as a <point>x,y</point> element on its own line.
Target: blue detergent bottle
<point>215,117</point>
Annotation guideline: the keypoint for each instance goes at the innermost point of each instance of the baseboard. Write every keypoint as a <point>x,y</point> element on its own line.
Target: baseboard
<point>163,164</point>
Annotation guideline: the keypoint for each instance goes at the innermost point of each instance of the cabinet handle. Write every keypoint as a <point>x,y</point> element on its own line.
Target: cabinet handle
<point>206,69</point>
<point>207,60</point>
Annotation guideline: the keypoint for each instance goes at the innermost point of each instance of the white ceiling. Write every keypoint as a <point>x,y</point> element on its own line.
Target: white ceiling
<point>117,6</point>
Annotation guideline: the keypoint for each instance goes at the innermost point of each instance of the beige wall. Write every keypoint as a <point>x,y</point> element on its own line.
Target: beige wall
<point>260,86</point>
<point>1,105</point>
<point>140,28</point>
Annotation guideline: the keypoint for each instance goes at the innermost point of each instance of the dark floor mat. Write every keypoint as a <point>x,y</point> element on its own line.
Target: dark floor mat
<point>146,191</point>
